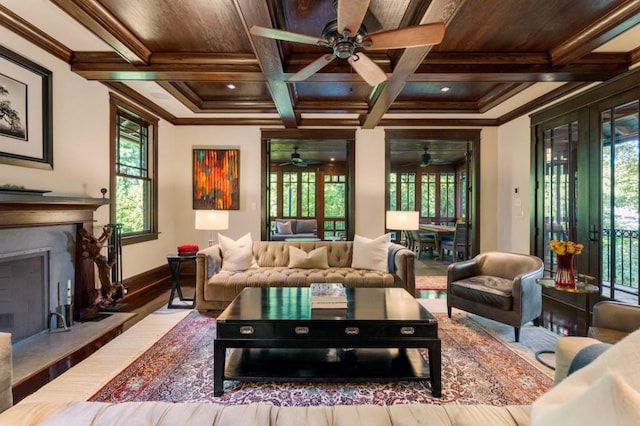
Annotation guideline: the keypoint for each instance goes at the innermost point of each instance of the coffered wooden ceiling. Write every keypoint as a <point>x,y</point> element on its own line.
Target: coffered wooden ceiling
<point>492,51</point>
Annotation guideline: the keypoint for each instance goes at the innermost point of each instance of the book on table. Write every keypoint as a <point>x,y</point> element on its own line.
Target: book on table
<point>328,296</point>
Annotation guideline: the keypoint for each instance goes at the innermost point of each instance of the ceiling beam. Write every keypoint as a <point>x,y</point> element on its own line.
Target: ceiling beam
<point>266,50</point>
<point>93,15</point>
<point>609,26</point>
<point>41,39</point>
<point>409,60</point>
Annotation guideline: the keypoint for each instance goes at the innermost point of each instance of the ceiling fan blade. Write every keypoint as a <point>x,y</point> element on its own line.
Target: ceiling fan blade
<point>351,14</point>
<point>285,35</point>
<point>312,68</point>
<point>419,35</point>
<point>367,69</point>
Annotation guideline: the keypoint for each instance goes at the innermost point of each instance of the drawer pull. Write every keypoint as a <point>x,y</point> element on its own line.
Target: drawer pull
<point>246,329</point>
<point>352,330</point>
<point>302,330</point>
<point>407,331</point>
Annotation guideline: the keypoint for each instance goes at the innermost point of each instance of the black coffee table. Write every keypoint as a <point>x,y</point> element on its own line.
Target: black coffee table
<point>276,336</point>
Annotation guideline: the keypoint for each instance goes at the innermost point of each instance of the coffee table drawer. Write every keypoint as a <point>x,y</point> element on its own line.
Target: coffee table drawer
<point>258,330</point>
<point>346,330</point>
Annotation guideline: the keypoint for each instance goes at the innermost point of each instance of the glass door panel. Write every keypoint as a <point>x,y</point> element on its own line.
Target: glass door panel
<point>620,201</point>
<point>560,182</point>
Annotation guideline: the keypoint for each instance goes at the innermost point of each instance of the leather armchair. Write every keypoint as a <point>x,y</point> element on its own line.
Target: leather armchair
<point>497,285</point>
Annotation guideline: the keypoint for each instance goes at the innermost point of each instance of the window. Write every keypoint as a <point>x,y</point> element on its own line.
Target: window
<point>134,139</point>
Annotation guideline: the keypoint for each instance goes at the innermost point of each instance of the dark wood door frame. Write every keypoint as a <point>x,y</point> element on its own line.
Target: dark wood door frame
<point>472,137</point>
<point>309,136</point>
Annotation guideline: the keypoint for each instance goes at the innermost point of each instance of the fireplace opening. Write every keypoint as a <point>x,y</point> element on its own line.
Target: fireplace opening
<point>24,293</point>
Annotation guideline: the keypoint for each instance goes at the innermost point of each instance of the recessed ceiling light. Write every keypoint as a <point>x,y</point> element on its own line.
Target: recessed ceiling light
<point>445,89</point>
<point>332,159</point>
<point>231,86</point>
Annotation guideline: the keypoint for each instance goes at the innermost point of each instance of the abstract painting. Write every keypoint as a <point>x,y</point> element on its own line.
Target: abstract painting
<point>216,179</point>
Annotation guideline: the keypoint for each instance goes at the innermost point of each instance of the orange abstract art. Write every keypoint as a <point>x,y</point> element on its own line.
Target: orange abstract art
<point>216,183</point>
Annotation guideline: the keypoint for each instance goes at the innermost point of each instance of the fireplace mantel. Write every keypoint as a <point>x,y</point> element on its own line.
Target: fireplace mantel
<point>21,210</point>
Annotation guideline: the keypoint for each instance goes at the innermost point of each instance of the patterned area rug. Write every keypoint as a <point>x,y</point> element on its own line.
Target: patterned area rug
<point>431,282</point>
<point>477,368</point>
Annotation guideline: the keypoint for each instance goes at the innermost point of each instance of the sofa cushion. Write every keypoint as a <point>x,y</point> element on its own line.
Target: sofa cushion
<point>485,289</point>
<point>370,253</point>
<point>316,258</point>
<point>283,227</point>
<point>306,226</point>
<point>236,255</point>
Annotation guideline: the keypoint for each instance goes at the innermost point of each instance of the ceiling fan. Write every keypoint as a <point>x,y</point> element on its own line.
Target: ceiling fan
<point>346,34</point>
<point>296,160</point>
<point>425,159</point>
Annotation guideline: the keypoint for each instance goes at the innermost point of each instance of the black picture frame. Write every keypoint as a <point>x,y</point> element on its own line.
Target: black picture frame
<point>26,133</point>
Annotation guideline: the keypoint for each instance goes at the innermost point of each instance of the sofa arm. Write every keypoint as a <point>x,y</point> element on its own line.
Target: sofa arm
<point>404,262</point>
<point>6,372</point>
<point>208,263</point>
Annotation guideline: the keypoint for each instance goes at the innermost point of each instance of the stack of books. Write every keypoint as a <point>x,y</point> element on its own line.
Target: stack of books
<point>328,296</point>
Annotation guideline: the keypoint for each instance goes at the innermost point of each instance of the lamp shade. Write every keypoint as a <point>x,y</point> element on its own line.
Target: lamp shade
<point>403,220</point>
<point>212,219</point>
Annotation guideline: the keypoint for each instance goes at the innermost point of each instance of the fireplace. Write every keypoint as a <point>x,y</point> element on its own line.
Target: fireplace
<point>38,257</point>
<point>24,293</point>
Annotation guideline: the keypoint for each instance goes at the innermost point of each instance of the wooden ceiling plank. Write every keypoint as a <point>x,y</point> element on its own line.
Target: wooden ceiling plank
<point>103,24</point>
<point>609,26</point>
<point>409,61</point>
<point>252,13</point>
<point>41,39</point>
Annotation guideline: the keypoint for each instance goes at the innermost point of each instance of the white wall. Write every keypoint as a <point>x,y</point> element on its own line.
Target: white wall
<point>514,172</point>
<point>370,182</point>
<point>488,188</point>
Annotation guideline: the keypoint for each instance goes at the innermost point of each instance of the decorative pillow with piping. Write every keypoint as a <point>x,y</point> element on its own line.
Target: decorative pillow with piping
<point>315,259</point>
<point>236,255</point>
<point>371,253</point>
<point>283,228</point>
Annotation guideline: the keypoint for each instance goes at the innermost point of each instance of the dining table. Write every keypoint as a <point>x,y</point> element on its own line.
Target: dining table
<point>439,231</point>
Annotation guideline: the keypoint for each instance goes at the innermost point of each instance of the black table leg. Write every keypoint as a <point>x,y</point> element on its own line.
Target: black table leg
<point>219,351</point>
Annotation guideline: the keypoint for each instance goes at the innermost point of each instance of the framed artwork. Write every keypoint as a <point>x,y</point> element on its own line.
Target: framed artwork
<point>216,179</point>
<point>26,119</point>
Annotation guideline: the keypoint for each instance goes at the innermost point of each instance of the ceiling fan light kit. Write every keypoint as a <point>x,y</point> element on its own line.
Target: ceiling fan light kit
<point>339,36</point>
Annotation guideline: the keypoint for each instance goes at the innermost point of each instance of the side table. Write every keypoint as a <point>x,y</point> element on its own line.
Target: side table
<point>583,288</point>
<point>175,265</point>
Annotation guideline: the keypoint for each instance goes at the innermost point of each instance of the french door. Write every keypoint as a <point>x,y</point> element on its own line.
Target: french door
<point>587,189</point>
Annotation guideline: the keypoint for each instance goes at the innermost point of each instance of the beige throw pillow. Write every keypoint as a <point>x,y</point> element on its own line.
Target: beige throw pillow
<point>236,255</point>
<point>371,254</point>
<point>315,259</point>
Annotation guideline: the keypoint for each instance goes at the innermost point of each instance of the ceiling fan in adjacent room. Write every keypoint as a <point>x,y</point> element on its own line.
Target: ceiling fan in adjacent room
<point>347,34</point>
<point>425,159</point>
<point>296,160</point>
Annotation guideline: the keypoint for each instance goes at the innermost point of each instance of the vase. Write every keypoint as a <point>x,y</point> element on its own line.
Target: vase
<point>564,271</point>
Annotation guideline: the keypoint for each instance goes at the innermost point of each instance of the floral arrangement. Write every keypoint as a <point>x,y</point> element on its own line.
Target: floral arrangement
<point>565,247</point>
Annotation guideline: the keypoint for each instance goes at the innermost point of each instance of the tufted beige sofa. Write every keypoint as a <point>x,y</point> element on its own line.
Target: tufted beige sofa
<point>215,289</point>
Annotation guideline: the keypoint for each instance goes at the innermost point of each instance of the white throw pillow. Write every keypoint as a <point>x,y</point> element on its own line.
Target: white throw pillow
<point>371,254</point>
<point>315,259</point>
<point>236,255</point>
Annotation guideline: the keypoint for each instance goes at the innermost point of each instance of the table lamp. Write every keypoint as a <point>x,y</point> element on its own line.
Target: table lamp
<point>403,221</point>
<point>212,220</point>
